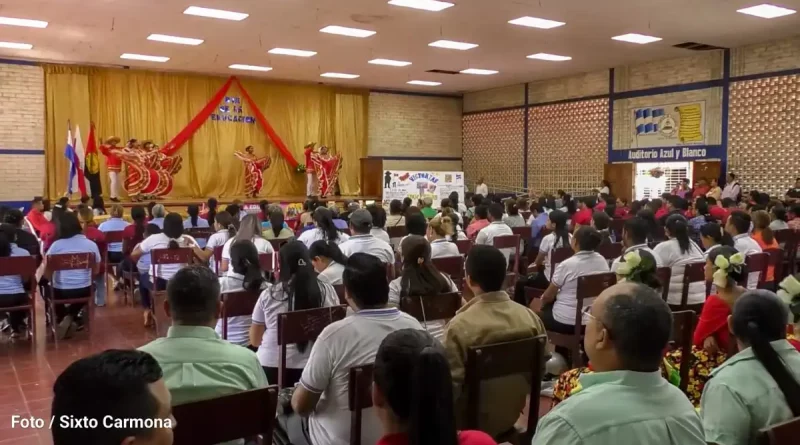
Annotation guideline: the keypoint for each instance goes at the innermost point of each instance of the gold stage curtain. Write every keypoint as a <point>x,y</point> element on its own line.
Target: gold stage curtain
<point>156,106</point>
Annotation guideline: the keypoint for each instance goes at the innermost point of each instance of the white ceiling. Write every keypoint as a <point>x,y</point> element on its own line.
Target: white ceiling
<point>99,31</point>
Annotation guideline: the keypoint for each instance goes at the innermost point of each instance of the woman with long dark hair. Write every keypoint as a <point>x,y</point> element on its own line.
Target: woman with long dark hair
<point>12,289</point>
<point>328,261</point>
<point>413,393</point>
<point>225,229</point>
<point>713,236</point>
<point>277,229</point>
<point>299,288</point>
<point>194,221</point>
<point>759,386</point>
<point>324,230</point>
<point>678,251</point>
<point>420,278</point>
<point>244,275</point>
<point>249,229</point>
<point>558,237</point>
<point>211,214</point>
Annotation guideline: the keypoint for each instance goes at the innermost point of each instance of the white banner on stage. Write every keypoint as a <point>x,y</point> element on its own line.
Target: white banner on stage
<point>397,184</point>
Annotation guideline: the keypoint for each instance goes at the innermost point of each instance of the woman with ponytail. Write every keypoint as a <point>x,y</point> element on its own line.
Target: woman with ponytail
<point>194,221</point>
<point>413,393</point>
<point>324,230</point>
<point>714,236</point>
<point>789,292</point>
<point>226,229</point>
<point>12,290</point>
<point>439,232</point>
<point>249,229</point>
<point>299,288</point>
<point>420,278</point>
<point>558,238</point>
<point>328,261</point>
<point>760,386</point>
<point>677,252</point>
<point>244,275</point>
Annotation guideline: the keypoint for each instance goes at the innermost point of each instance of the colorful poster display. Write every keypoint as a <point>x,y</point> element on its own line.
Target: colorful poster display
<point>398,184</point>
<point>670,125</point>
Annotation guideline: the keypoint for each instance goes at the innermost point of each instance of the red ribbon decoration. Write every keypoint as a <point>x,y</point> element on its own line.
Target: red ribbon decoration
<point>184,135</point>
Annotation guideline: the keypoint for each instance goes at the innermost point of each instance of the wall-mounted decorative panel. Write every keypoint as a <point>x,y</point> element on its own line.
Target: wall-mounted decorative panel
<point>493,148</point>
<point>567,146</point>
<point>764,133</point>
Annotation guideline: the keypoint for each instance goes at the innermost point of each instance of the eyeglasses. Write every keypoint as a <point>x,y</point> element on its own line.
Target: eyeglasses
<point>587,311</point>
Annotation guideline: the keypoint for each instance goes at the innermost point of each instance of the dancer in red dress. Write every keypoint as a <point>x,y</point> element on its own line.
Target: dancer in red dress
<point>327,169</point>
<point>149,171</point>
<point>253,170</point>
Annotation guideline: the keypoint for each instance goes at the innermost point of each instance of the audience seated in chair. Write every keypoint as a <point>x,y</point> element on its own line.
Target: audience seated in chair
<point>738,227</point>
<point>324,229</point>
<point>558,238</point>
<point>225,230</point>
<point>759,386</point>
<point>489,317</point>
<point>677,252</point>
<point>480,221</point>
<point>114,385</point>
<point>277,227</point>
<point>625,401</point>
<point>320,402</point>
<point>362,240</point>
<point>24,239</point>
<point>495,228</point>
<point>440,231</point>
<point>299,288</point>
<point>12,288</point>
<point>714,236</point>
<point>413,393</point>
<point>244,274</point>
<point>328,261</point>
<point>420,278</point>
<point>249,229</point>
<point>197,363</point>
<point>634,237</point>
<point>763,235</point>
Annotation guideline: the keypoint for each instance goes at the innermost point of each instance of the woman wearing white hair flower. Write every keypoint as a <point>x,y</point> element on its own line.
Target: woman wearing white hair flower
<point>789,292</point>
<point>639,266</point>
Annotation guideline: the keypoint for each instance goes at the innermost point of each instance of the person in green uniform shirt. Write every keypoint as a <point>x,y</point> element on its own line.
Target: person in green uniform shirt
<point>759,386</point>
<point>625,401</point>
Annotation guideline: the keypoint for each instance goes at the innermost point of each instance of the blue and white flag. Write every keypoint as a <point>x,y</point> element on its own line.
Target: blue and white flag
<point>74,154</point>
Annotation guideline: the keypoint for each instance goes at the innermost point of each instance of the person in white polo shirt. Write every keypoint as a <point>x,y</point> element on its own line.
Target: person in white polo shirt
<point>634,237</point>
<point>495,228</point>
<point>738,227</point>
<point>363,241</point>
<point>320,402</point>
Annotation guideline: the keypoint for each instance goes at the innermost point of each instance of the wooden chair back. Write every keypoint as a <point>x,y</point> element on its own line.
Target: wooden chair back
<point>785,433</point>
<point>589,286</point>
<point>789,241</point>
<point>559,256</point>
<point>692,273</point>
<point>397,231</point>
<point>464,246</point>
<point>339,288</point>
<point>218,258</point>
<point>683,323</point>
<point>775,261</point>
<point>303,326</point>
<point>524,232</point>
<point>509,242</point>
<point>278,243</point>
<point>451,265</point>
<point>616,226</point>
<point>25,267</point>
<point>359,398</point>
<point>70,261</point>
<point>160,257</point>
<point>240,415</point>
<point>200,232</point>
<point>237,304</point>
<point>267,261</point>
<point>610,251</point>
<point>664,275</point>
<point>755,262</point>
<point>525,356</point>
<point>433,307</point>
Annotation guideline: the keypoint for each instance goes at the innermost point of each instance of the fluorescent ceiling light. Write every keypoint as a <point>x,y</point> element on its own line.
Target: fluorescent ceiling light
<point>22,22</point>
<point>549,57</point>
<point>478,71</point>
<point>237,66</point>
<point>144,57</point>
<point>535,22</point>
<point>345,31</point>
<point>428,5</point>
<point>292,52</point>
<point>767,11</point>
<point>215,13</point>
<point>12,45</point>
<point>425,83</point>
<point>449,44</point>
<point>389,62</point>
<point>339,75</point>
<point>173,39</point>
<point>637,38</point>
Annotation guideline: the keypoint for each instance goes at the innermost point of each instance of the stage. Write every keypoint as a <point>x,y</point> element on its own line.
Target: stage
<point>180,204</point>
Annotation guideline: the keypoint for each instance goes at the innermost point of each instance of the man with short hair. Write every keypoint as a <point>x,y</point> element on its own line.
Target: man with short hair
<point>361,240</point>
<point>583,217</point>
<point>112,385</point>
<point>481,188</point>
<point>732,188</point>
<point>538,221</point>
<point>480,221</point>
<point>320,400</point>
<point>25,240</point>
<point>495,228</point>
<point>634,237</point>
<point>427,207</point>
<point>489,317</point>
<point>197,363</point>
<point>625,401</point>
<point>738,226</point>
<point>35,215</point>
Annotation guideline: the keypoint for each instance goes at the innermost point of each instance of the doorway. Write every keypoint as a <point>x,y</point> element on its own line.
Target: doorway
<point>654,178</point>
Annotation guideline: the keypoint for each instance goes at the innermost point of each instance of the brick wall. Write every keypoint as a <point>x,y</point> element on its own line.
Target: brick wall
<point>511,96</point>
<point>414,126</point>
<point>766,57</point>
<point>581,85</point>
<point>22,129</point>
<point>659,73</point>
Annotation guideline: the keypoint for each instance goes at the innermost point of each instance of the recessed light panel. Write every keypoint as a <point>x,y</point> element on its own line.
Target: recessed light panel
<point>237,66</point>
<point>450,44</point>
<point>535,22</point>
<point>14,45</point>
<point>339,75</point>
<point>425,83</point>
<point>173,39</point>
<point>292,52</point>
<point>144,57</point>
<point>389,62</point>
<point>478,71</point>
<point>22,22</point>
<point>345,31</point>
<point>636,38</point>
<point>767,11</point>
<point>427,5</point>
<point>549,57</point>
<point>215,13</point>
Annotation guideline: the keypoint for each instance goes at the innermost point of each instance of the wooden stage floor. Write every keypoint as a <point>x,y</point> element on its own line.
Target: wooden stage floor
<point>284,200</point>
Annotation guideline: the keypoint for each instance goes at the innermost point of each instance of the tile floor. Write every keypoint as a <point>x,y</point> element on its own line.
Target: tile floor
<point>28,369</point>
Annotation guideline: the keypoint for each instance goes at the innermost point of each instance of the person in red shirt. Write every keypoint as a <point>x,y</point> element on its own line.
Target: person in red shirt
<point>583,217</point>
<point>622,208</point>
<point>35,214</point>
<point>700,188</point>
<point>134,233</point>
<point>413,393</point>
<point>113,165</point>
<point>308,150</point>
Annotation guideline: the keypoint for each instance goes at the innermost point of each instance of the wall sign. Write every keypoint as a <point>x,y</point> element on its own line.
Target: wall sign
<point>668,154</point>
<point>670,125</point>
<point>398,184</point>
<point>231,111</point>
